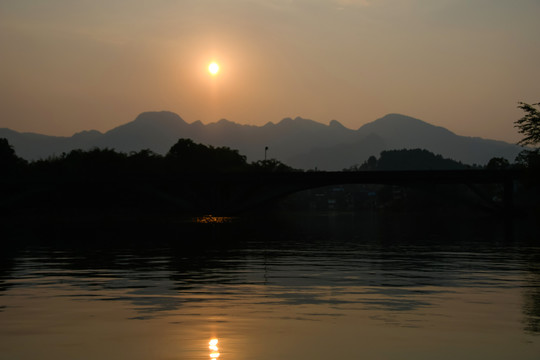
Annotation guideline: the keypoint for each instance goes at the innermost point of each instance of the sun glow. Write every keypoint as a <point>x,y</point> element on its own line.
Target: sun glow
<point>213,68</point>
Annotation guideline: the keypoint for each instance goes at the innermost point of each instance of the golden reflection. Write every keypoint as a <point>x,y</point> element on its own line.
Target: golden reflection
<point>213,346</point>
<point>210,219</point>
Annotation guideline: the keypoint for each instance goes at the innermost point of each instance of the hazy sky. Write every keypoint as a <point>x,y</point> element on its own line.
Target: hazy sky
<point>72,65</point>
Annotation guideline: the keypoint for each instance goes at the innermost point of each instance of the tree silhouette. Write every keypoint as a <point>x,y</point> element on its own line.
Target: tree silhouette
<point>144,162</point>
<point>188,156</point>
<point>528,159</point>
<point>8,159</point>
<point>95,162</point>
<point>407,159</point>
<point>270,165</point>
<point>6,150</point>
<point>498,163</point>
<point>529,125</point>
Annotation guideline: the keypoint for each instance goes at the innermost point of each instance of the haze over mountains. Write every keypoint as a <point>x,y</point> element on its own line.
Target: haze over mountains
<point>300,143</point>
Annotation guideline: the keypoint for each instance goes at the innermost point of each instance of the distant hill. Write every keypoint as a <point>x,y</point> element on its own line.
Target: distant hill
<point>298,142</point>
<point>403,132</point>
<point>409,159</point>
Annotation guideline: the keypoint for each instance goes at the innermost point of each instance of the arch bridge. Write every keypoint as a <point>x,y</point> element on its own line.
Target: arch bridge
<point>235,192</point>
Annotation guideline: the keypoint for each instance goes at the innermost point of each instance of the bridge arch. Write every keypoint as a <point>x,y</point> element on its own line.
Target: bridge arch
<point>237,192</point>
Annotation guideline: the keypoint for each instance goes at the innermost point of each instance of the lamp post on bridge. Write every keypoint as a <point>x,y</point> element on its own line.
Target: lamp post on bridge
<point>265,150</point>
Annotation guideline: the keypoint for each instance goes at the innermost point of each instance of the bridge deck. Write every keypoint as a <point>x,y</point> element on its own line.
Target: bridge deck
<point>367,177</point>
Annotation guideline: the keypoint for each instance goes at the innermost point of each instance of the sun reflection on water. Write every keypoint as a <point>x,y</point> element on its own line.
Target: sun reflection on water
<point>214,350</point>
<point>210,219</point>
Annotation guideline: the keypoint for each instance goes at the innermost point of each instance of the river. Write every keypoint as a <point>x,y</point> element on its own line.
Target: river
<point>304,286</point>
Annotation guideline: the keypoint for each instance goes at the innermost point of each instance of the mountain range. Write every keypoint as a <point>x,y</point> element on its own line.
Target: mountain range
<point>300,143</point>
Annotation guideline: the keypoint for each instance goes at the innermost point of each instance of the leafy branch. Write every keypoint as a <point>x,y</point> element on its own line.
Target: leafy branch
<point>529,125</point>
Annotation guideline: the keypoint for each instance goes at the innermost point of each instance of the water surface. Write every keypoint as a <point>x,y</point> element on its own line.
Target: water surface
<point>324,286</point>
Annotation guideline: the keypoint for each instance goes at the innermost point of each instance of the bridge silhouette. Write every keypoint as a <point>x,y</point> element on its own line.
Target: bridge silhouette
<point>229,193</point>
<point>215,193</point>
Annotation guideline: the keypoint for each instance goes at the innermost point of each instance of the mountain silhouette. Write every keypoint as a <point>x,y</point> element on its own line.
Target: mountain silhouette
<point>298,142</point>
<point>404,132</point>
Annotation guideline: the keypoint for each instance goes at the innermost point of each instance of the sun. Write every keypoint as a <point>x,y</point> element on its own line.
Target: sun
<point>213,68</point>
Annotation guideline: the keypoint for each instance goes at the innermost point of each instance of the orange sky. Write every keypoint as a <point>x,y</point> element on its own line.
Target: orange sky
<point>68,66</point>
